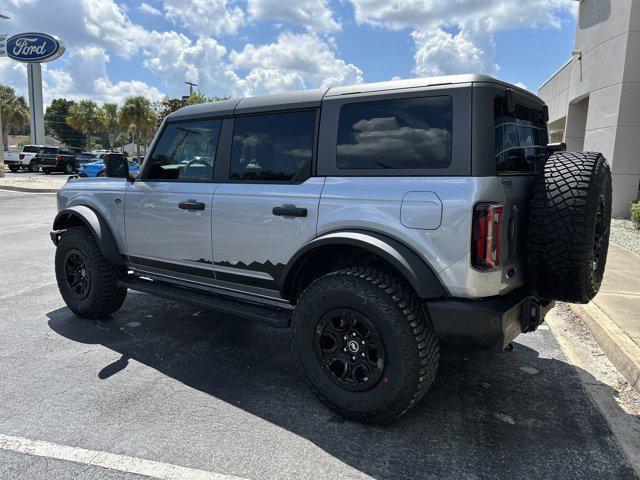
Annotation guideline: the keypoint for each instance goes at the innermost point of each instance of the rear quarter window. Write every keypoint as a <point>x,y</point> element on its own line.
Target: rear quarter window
<point>409,133</point>
<point>521,137</point>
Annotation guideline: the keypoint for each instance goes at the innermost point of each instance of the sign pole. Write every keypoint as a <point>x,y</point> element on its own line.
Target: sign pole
<point>1,149</point>
<point>36,110</point>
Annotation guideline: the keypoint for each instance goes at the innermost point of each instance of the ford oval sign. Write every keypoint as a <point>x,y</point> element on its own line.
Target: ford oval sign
<point>34,47</point>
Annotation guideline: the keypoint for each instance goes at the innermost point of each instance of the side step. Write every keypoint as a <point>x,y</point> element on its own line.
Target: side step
<point>278,318</point>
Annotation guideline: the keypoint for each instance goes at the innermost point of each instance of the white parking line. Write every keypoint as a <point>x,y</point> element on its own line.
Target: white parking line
<point>113,461</point>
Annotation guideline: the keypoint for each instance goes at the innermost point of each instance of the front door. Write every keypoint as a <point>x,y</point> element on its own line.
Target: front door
<point>267,208</point>
<point>168,208</point>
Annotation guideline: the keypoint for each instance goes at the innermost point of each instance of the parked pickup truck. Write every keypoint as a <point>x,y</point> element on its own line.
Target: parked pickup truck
<point>57,159</point>
<point>24,159</point>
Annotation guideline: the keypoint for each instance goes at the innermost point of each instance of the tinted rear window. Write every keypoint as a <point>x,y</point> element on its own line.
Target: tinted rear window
<point>411,133</point>
<point>273,147</point>
<point>30,149</point>
<point>521,137</point>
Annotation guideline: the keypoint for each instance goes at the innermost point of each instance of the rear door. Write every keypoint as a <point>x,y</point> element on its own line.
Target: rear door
<point>168,208</point>
<point>266,207</point>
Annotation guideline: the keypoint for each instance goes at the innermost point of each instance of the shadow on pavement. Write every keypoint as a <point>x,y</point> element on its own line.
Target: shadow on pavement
<point>488,415</point>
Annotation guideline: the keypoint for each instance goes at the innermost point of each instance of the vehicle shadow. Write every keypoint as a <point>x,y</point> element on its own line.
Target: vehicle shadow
<point>488,415</point>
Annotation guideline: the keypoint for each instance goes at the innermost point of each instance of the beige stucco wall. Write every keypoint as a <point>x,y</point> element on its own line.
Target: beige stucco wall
<point>607,74</point>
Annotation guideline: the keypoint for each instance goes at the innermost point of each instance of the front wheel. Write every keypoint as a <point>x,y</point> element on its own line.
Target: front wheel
<point>33,166</point>
<point>87,281</point>
<point>365,344</point>
<point>68,169</point>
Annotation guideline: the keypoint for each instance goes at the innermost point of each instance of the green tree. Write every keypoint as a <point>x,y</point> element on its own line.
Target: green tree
<point>113,127</point>
<point>87,117</point>
<point>137,115</point>
<point>170,105</point>
<point>55,123</point>
<point>14,111</point>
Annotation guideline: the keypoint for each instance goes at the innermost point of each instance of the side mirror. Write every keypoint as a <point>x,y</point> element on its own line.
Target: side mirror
<point>117,166</point>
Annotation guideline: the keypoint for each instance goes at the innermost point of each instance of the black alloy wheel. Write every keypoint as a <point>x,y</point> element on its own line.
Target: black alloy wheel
<point>350,349</point>
<point>77,274</point>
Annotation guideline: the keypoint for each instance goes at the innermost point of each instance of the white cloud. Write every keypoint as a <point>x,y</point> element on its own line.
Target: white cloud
<point>79,23</point>
<point>521,85</point>
<point>471,49</point>
<point>293,61</point>
<point>442,53</point>
<point>206,17</point>
<point>429,15</point>
<point>315,15</point>
<point>150,9</point>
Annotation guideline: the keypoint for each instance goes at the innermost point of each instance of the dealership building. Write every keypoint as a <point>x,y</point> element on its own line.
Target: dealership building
<point>594,99</point>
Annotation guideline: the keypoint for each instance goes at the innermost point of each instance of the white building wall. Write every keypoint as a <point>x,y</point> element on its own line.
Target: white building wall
<point>598,92</point>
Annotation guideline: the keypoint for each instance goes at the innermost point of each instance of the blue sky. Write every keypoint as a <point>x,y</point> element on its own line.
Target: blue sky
<point>248,47</point>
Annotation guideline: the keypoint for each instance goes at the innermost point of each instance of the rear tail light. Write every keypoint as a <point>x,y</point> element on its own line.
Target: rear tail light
<point>21,156</point>
<point>58,158</point>
<point>485,240</point>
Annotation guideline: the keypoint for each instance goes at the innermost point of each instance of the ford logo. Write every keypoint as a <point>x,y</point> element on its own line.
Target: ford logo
<point>34,47</point>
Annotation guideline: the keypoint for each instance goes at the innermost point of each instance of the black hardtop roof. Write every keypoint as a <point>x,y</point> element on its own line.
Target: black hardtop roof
<point>313,98</point>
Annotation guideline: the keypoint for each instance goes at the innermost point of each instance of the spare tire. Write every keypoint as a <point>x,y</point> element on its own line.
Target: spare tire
<point>569,222</point>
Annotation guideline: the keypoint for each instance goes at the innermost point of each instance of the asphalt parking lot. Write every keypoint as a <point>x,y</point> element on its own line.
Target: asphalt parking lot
<point>170,384</point>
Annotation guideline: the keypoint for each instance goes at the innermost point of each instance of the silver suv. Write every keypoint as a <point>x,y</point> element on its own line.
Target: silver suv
<point>376,221</point>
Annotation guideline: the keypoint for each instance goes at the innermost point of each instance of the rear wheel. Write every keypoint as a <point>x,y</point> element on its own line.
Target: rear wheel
<point>365,344</point>
<point>68,168</point>
<point>569,226</point>
<point>87,281</point>
<point>47,171</point>
<point>33,166</point>
<point>14,169</point>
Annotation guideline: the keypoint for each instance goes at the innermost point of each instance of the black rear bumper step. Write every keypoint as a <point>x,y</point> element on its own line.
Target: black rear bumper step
<point>278,318</point>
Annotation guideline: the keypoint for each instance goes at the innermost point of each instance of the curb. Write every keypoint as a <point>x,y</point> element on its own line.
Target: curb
<point>623,352</point>
<point>11,188</point>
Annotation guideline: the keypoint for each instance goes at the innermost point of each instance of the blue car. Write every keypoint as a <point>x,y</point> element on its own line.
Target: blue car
<point>96,169</point>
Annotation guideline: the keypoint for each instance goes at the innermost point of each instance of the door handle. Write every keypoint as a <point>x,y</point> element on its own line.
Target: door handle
<point>191,205</point>
<point>289,211</point>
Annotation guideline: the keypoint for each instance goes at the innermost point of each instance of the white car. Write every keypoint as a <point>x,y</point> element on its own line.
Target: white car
<point>24,159</point>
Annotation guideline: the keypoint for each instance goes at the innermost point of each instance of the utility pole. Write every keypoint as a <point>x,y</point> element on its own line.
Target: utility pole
<point>191,85</point>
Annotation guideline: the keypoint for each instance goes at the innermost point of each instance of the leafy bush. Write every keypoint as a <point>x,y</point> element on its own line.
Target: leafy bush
<point>635,214</point>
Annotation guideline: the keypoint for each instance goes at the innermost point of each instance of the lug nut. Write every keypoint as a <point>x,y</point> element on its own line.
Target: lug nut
<point>362,354</point>
<point>353,358</point>
<point>344,349</point>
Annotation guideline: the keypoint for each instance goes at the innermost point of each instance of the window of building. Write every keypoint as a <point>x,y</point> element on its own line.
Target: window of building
<point>410,133</point>
<point>273,147</point>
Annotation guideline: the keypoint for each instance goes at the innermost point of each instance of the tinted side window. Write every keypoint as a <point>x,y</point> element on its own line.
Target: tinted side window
<point>273,147</point>
<point>521,139</point>
<point>185,152</point>
<point>410,133</point>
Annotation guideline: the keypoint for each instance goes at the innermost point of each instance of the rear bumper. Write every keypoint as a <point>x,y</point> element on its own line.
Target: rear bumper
<point>490,323</point>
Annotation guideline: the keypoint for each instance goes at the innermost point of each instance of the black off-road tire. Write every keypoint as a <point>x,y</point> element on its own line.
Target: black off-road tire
<point>14,169</point>
<point>33,166</point>
<point>391,305</point>
<point>47,171</point>
<point>104,295</point>
<point>569,226</point>
<point>68,169</point>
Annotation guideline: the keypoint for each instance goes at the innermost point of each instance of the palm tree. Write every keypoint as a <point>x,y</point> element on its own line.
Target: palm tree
<point>87,117</point>
<point>110,111</point>
<point>14,112</point>
<point>137,114</point>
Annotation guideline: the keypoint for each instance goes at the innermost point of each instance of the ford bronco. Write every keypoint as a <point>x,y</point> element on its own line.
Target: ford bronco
<point>375,221</point>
